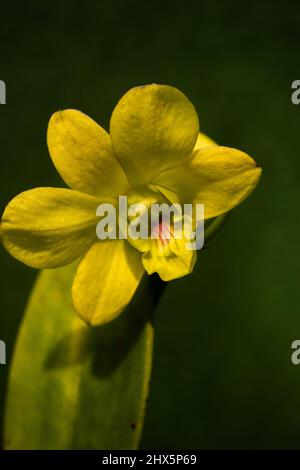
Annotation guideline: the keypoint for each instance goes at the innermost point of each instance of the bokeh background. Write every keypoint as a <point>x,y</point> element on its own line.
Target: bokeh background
<point>222,374</point>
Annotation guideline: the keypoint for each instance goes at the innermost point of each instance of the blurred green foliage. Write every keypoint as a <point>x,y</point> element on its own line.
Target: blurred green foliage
<point>222,372</point>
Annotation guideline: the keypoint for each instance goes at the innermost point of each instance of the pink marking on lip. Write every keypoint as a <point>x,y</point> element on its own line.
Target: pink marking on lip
<point>164,233</point>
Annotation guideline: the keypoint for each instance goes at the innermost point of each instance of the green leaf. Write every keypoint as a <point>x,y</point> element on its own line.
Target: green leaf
<point>76,387</point>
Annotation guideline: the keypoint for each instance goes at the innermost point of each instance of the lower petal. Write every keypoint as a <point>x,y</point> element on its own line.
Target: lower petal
<point>106,281</point>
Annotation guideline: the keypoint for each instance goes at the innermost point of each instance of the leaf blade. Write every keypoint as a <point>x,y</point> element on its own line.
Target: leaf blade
<point>76,387</point>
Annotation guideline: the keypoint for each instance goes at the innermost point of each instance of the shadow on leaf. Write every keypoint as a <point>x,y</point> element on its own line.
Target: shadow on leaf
<point>106,346</point>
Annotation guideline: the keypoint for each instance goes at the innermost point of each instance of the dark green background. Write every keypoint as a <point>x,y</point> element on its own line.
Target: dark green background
<point>222,375</point>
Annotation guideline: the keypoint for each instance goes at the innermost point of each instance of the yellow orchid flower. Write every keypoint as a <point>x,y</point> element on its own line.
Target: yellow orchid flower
<point>154,153</point>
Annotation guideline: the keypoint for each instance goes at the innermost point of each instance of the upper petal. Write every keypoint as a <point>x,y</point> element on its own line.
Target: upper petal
<point>152,128</point>
<point>218,177</point>
<point>49,227</point>
<point>82,153</point>
<point>106,280</point>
